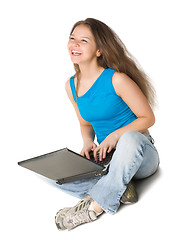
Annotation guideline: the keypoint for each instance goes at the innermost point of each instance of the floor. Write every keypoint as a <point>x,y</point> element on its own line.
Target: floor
<point>30,202</point>
<point>37,117</point>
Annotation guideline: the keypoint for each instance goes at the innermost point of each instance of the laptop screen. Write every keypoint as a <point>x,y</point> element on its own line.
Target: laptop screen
<point>60,164</point>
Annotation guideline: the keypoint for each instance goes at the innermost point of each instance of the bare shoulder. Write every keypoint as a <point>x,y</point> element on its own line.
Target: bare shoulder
<point>121,82</point>
<point>121,79</point>
<point>67,85</point>
<point>68,88</point>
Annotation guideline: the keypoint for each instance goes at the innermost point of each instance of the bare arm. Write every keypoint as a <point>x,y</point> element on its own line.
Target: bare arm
<point>128,90</point>
<point>87,131</point>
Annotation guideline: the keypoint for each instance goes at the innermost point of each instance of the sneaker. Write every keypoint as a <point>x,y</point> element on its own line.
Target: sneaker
<point>69,218</point>
<point>130,195</point>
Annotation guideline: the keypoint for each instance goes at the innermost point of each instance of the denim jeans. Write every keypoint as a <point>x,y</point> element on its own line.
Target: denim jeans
<point>135,157</point>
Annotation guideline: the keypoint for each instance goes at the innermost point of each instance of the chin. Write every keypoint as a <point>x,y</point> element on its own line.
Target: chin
<point>75,61</point>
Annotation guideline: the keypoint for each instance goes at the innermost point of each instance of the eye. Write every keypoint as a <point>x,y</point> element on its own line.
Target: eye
<point>83,40</point>
<point>71,38</point>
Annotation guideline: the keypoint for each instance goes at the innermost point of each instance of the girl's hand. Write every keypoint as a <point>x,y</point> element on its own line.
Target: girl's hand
<point>90,146</point>
<point>106,146</point>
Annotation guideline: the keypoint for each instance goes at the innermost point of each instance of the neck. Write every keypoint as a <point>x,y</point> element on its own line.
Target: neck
<point>89,70</point>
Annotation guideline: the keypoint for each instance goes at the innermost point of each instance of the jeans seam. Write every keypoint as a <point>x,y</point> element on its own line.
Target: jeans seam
<point>133,164</point>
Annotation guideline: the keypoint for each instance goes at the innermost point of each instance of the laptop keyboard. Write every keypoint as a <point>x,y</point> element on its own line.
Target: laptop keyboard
<point>105,161</point>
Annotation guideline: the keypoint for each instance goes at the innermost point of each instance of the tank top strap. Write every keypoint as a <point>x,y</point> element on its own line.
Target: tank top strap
<point>105,84</point>
<point>73,90</point>
<point>107,81</point>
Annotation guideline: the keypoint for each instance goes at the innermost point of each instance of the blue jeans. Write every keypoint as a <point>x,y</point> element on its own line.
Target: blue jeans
<point>135,156</point>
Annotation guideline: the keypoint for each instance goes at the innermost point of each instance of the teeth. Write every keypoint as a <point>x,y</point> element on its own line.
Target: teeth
<point>75,52</point>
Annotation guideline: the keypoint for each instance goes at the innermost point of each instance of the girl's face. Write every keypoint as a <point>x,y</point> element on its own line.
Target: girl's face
<point>81,46</point>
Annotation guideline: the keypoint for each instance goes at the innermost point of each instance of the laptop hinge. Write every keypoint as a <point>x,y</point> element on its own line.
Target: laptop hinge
<point>81,176</point>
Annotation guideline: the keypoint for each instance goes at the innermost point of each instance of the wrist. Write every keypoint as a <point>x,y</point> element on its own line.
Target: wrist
<point>116,135</point>
<point>87,141</point>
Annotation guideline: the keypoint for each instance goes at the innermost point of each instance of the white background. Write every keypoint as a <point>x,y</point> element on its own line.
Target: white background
<point>36,116</point>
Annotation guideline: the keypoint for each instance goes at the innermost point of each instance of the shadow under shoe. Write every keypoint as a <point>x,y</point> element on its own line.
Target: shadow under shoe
<point>130,195</point>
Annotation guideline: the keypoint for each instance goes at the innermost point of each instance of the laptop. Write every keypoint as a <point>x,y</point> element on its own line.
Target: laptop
<point>65,165</point>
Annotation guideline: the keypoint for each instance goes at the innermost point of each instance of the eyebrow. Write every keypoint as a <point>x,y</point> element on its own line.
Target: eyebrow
<point>81,36</point>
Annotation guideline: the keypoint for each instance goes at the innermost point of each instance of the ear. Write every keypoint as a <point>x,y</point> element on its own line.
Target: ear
<point>98,53</point>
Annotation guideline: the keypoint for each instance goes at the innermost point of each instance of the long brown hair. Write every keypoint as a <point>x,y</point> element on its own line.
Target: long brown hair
<point>115,55</point>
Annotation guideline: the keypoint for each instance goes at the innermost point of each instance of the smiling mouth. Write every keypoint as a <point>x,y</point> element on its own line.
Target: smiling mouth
<point>76,53</point>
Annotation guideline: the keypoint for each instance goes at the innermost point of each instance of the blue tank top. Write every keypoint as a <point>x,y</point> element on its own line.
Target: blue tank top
<point>102,107</point>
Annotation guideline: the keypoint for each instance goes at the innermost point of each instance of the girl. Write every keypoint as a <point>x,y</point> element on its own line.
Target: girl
<point>112,98</point>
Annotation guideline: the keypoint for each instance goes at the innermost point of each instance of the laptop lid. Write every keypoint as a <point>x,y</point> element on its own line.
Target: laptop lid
<point>63,166</point>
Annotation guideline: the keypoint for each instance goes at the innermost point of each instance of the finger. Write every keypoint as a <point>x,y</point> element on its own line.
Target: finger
<point>109,149</point>
<point>101,154</point>
<point>94,147</point>
<point>82,153</point>
<point>95,153</point>
<point>104,153</point>
<point>87,154</point>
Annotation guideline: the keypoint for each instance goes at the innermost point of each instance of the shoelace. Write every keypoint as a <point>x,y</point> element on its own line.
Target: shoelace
<point>79,218</point>
<point>81,214</point>
<point>81,205</point>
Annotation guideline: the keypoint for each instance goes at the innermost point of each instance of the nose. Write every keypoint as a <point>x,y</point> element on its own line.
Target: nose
<point>76,43</point>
